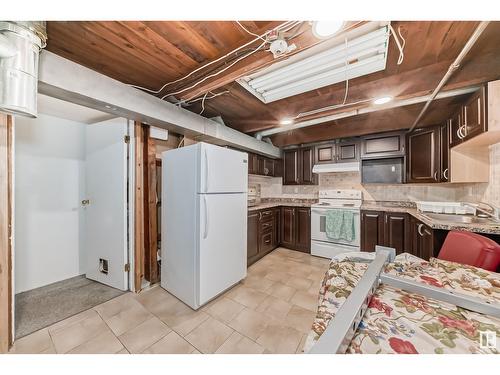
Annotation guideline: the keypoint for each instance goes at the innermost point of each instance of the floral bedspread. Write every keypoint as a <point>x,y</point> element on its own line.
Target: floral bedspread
<point>401,322</point>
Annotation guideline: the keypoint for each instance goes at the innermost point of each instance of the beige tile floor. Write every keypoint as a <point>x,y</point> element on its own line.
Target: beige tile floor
<point>271,311</point>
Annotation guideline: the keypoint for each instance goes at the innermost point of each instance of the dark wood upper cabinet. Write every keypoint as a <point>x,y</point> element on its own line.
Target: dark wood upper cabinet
<point>423,159</point>
<point>347,152</point>
<point>475,114</point>
<point>444,170</point>
<point>455,124</point>
<point>291,167</point>
<point>268,167</point>
<point>383,145</point>
<point>325,153</point>
<point>397,231</point>
<point>470,119</point>
<point>307,177</point>
<point>253,163</point>
<point>303,229</point>
<point>372,229</point>
<point>297,166</point>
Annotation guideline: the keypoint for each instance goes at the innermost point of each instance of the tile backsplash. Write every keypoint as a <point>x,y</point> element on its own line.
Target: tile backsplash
<point>489,192</point>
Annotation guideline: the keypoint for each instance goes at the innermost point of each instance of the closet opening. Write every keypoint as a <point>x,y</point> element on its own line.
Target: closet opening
<point>71,186</point>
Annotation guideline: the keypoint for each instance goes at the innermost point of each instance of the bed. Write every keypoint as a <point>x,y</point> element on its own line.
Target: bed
<point>397,321</point>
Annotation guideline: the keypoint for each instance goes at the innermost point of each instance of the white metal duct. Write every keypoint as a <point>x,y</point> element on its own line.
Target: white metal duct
<point>348,56</point>
<point>20,44</point>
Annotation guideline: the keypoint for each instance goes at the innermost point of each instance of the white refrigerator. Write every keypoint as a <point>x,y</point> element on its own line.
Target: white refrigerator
<point>203,221</point>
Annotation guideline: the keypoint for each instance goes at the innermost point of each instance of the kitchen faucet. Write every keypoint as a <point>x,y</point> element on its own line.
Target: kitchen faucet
<point>493,212</point>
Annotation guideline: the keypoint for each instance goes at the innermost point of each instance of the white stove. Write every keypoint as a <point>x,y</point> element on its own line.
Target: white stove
<point>347,200</point>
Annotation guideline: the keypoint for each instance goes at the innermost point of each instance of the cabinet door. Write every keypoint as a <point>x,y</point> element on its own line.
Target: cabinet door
<point>325,153</point>
<point>423,155</point>
<point>291,167</point>
<point>372,230</point>
<point>288,227</point>
<point>455,126</point>
<point>253,164</point>
<point>278,168</point>
<point>306,176</point>
<point>277,226</point>
<point>252,237</point>
<point>397,231</point>
<point>268,169</point>
<point>444,172</point>
<point>423,240</point>
<point>383,145</point>
<point>260,165</point>
<point>347,152</point>
<point>303,229</point>
<point>474,112</point>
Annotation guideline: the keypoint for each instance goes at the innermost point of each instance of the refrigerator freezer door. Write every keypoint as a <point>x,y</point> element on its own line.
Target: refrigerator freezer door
<point>222,170</point>
<point>223,243</point>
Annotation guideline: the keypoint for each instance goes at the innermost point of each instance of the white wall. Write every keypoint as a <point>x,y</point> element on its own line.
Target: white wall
<point>49,186</point>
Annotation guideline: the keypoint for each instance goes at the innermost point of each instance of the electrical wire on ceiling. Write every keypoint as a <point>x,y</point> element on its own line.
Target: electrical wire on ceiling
<point>249,32</point>
<point>279,27</point>
<point>189,102</point>
<point>400,45</point>
<point>203,103</point>
<point>214,74</point>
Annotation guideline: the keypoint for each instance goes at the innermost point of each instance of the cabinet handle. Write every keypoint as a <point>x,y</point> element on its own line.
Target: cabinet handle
<point>435,175</point>
<point>260,215</point>
<point>419,228</point>
<point>445,174</point>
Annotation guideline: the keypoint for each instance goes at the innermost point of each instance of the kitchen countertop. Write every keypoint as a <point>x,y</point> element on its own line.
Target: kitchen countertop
<point>410,208</point>
<point>281,202</point>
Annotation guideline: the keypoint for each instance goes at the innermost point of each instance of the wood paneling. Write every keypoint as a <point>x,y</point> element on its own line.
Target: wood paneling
<point>139,217</point>
<point>150,210</point>
<point>153,53</point>
<point>5,233</point>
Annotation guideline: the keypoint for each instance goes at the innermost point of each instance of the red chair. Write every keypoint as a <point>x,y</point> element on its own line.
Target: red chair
<point>472,249</point>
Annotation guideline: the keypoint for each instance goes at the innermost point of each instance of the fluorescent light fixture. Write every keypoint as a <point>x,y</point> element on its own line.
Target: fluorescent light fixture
<point>330,62</point>
<point>325,29</point>
<point>286,121</point>
<point>382,100</point>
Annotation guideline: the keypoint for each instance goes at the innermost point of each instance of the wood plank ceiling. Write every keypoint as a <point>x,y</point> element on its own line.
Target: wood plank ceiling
<point>150,54</point>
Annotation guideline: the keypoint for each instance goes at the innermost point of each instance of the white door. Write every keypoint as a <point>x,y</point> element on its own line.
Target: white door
<point>106,211</point>
<point>223,243</point>
<point>223,170</point>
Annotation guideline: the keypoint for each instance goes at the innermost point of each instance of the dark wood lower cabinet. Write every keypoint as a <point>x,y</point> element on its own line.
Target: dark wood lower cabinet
<point>252,237</point>
<point>401,231</point>
<point>296,228</point>
<point>397,231</point>
<point>372,230</point>
<point>262,233</point>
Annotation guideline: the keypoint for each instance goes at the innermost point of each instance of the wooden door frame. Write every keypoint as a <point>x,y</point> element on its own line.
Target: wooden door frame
<point>145,216</point>
<point>6,298</point>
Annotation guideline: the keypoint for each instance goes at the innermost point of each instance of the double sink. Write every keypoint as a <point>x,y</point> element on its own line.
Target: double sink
<point>460,219</point>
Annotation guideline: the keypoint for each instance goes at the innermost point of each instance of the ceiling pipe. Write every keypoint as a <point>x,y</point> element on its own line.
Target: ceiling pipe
<point>365,110</point>
<point>453,67</point>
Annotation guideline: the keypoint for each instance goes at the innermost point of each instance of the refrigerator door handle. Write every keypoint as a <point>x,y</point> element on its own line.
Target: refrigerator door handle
<point>205,231</point>
<point>206,171</point>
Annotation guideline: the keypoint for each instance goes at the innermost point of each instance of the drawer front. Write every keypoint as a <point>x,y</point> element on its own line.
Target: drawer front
<point>266,226</point>
<point>266,215</point>
<point>267,241</point>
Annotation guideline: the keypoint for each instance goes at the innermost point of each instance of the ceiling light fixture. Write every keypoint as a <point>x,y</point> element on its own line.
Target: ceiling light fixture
<point>382,100</point>
<point>286,121</point>
<point>327,63</point>
<point>325,29</point>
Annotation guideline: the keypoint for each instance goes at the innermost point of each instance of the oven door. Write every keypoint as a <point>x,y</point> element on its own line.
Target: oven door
<point>318,226</point>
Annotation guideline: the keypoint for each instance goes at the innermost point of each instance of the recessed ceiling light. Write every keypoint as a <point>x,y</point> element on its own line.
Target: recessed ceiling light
<point>286,121</point>
<point>325,29</point>
<point>382,100</point>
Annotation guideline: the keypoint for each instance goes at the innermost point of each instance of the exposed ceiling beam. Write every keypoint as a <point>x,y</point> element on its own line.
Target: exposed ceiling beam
<point>364,110</point>
<point>66,80</point>
<point>258,60</point>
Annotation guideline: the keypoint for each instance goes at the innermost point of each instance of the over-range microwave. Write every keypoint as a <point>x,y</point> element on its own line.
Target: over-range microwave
<point>383,171</point>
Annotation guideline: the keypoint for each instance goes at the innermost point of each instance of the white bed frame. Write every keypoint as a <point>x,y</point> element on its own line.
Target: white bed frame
<point>341,329</point>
